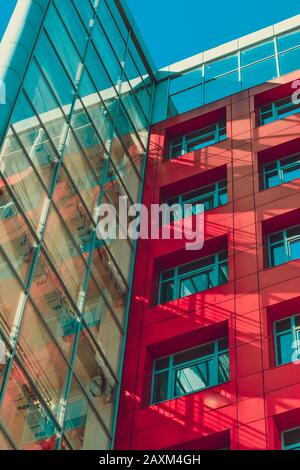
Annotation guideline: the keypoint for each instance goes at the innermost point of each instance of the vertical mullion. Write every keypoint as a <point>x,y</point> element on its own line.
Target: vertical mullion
<point>176,284</point>
<point>171,378</point>
<point>276,56</point>
<point>286,246</point>
<point>293,327</point>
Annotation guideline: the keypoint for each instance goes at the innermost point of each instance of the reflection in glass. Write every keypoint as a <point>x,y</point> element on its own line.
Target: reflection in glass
<point>25,416</point>
<point>82,426</point>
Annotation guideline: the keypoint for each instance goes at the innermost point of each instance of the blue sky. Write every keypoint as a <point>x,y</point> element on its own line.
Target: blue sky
<point>176,29</point>
<point>6,9</point>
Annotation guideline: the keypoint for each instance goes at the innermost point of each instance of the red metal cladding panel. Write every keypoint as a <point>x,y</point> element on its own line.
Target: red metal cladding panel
<point>260,400</point>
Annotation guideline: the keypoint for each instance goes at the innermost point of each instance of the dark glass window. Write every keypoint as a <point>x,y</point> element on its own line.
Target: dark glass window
<point>190,371</point>
<point>281,171</point>
<point>194,277</point>
<point>278,110</point>
<point>284,246</point>
<point>287,336</point>
<point>211,196</point>
<point>197,139</point>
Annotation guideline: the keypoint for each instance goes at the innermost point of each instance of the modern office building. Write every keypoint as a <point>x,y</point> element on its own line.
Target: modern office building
<point>146,345</point>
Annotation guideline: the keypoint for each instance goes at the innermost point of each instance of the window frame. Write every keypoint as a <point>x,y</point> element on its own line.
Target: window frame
<point>294,330</point>
<point>220,188</point>
<point>291,446</point>
<point>285,240</point>
<point>274,107</point>
<point>177,278</point>
<point>280,167</point>
<point>219,134</point>
<point>172,369</point>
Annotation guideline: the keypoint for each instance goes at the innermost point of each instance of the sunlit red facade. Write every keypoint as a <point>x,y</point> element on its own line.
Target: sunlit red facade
<point>259,401</point>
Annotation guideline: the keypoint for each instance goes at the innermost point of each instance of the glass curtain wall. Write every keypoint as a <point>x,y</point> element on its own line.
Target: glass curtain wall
<point>77,138</point>
<point>234,72</point>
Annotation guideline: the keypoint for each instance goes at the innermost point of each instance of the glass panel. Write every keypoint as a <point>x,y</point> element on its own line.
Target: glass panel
<point>43,359</point>
<point>187,80</point>
<point>252,54</point>
<point>272,179</point>
<point>162,363</point>
<point>73,212</point>
<point>95,377</point>
<point>222,86</point>
<point>259,73</point>
<point>223,370</point>
<point>73,23</point>
<point>81,426</point>
<point>110,61</point>
<point>283,325</point>
<point>53,304</point>
<point>15,238</point>
<point>85,170</point>
<point>284,348</point>
<point>54,72</point>
<point>10,299</point>
<point>125,168</point>
<point>198,264</point>
<point>167,292</point>
<point>100,321</point>
<point>278,255</point>
<point>160,387</point>
<point>117,17</point>
<point>85,10</point>
<point>108,278</point>
<point>221,66</point>
<point>186,100</point>
<point>62,42</point>
<point>288,40</point>
<point>294,249</point>
<point>291,437</point>
<point>289,61</point>
<point>34,139</point>
<point>23,181</point>
<point>106,19</point>
<point>194,284</point>
<point>99,76</point>
<point>130,140</point>
<point>194,378</point>
<point>195,353</point>
<point>25,416</point>
<point>64,253</point>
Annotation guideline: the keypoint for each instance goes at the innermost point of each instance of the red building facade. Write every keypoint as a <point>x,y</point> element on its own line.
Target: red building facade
<point>261,398</point>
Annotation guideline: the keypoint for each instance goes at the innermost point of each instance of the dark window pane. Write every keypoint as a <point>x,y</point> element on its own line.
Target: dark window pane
<point>195,353</point>
<point>160,387</point>
<point>162,363</point>
<point>283,325</point>
<point>284,348</point>
<point>291,437</point>
<point>167,292</point>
